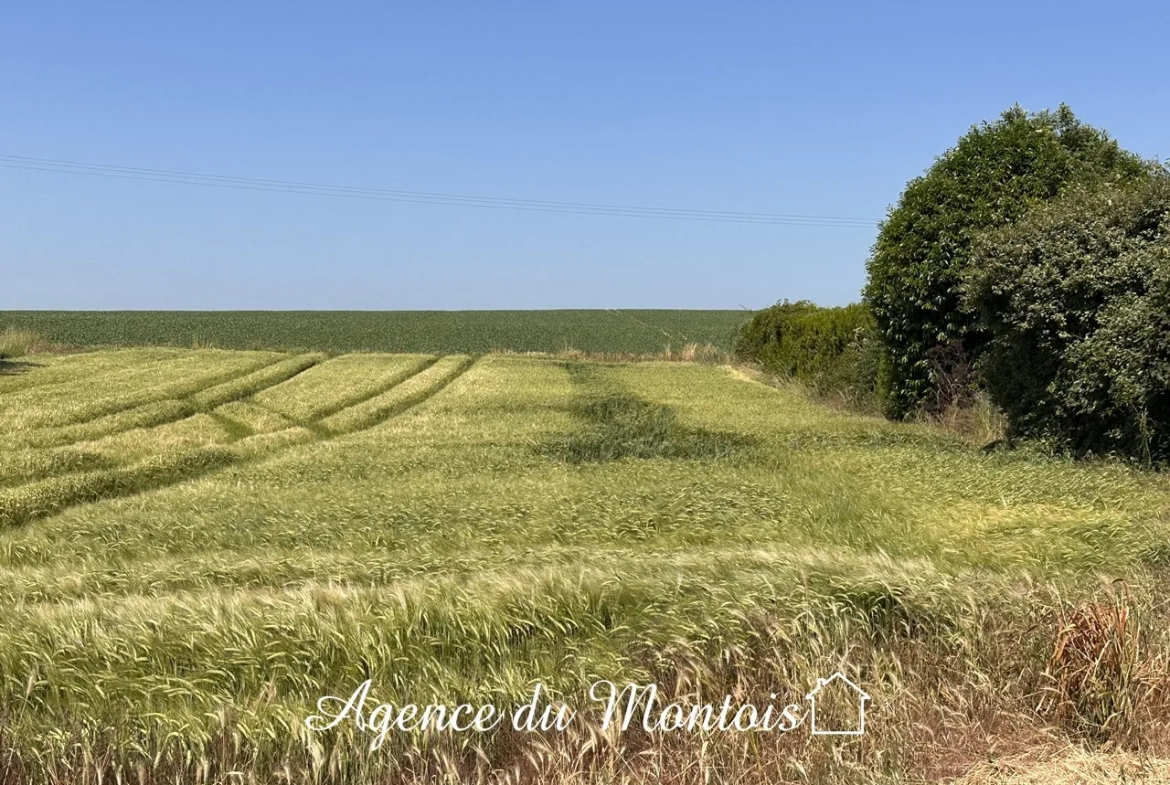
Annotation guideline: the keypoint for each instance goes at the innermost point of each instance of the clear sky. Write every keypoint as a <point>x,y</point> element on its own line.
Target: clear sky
<point>814,108</point>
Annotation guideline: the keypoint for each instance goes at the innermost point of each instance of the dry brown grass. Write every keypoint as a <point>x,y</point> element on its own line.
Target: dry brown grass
<point>1106,682</point>
<point>980,420</point>
<point>1069,766</point>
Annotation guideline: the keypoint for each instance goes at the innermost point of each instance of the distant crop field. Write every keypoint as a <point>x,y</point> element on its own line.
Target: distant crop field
<point>593,331</point>
<point>198,546</point>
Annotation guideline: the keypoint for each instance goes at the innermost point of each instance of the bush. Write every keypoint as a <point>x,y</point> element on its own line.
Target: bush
<point>831,349</point>
<point>995,173</point>
<point>1076,299</point>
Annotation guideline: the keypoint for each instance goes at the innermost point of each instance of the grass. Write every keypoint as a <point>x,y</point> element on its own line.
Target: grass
<point>175,597</point>
<point>635,332</point>
<point>17,343</point>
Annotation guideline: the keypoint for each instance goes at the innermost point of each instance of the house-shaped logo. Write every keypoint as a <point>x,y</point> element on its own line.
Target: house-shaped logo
<point>842,707</point>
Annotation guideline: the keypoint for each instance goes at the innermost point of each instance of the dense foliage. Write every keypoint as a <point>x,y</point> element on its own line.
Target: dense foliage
<point>1076,299</point>
<point>832,349</point>
<point>995,173</point>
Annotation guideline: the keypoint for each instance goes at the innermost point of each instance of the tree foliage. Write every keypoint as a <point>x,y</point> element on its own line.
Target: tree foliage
<point>1076,300</point>
<point>992,177</point>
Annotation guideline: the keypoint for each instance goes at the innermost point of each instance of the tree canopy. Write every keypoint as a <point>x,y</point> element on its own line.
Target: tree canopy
<point>989,179</point>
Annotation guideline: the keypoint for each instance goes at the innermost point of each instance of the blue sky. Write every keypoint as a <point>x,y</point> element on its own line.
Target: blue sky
<point>806,108</point>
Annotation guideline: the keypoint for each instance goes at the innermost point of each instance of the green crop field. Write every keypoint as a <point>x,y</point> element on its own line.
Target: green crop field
<point>196,546</point>
<point>594,331</point>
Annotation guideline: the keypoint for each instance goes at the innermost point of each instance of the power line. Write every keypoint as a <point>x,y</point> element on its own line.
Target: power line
<point>420,197</point>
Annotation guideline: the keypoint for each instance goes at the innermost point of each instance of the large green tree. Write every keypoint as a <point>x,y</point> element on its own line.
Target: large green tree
<point>992,177</point>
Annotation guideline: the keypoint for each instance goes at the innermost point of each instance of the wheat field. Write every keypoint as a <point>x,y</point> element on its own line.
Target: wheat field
<point>197,545</point>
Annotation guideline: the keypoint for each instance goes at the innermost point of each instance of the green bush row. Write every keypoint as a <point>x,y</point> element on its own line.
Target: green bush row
<point>834,350</point>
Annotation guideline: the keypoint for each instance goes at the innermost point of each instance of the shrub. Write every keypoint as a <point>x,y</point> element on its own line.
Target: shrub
<point>831,349</point>
<point>995,173</point>
<point>1076,299</point>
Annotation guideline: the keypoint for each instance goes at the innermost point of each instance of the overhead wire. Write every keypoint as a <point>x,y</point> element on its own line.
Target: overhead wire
<point>421,197</point>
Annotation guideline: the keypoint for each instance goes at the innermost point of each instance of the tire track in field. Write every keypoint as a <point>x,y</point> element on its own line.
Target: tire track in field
<point>234,429</point>
<point>315,422</point>
<point>376,414</point>
<point>39,500</point>
<point>176,390</point>
<point>171,409</point>
<point>14,396</point>
<point>57,454</point>
<point>162,391</point>
<point>24,381</point>
<point>354,400</point>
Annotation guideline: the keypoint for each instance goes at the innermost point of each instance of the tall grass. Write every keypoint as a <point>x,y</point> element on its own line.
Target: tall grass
<point>17,343</point>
